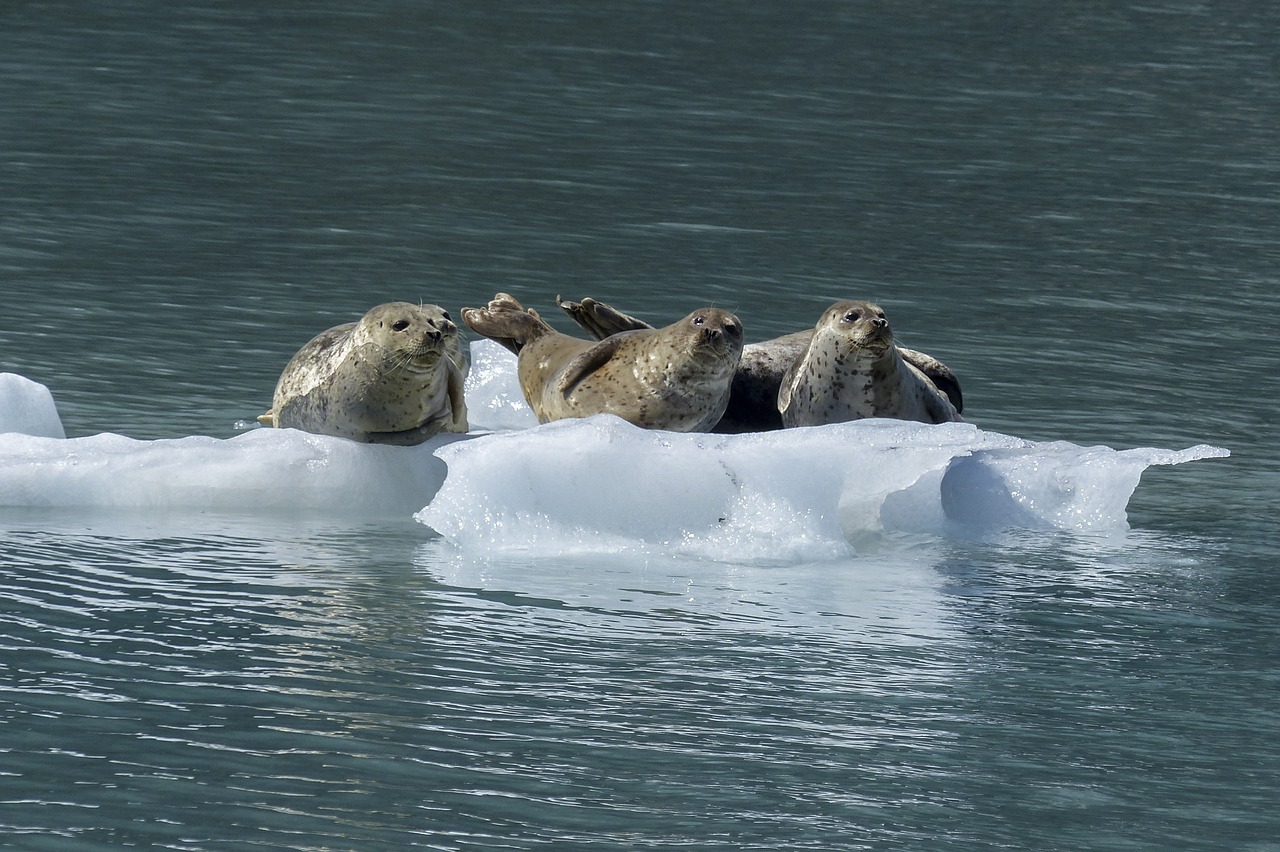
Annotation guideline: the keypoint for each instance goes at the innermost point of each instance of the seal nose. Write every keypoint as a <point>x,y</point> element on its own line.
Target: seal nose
<point>880,322</point>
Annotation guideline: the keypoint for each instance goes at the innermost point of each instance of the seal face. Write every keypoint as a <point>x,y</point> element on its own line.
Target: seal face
<point>851,369</point>
<point>393,377</point>
<point>675,378</point>
<point>753,399</point>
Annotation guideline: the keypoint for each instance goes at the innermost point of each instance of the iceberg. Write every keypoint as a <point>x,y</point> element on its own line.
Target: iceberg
<point>597,485</point>
<point>280,470</point>
<point>27,408</point>
<point>263,469</point>
<point>602,485</point>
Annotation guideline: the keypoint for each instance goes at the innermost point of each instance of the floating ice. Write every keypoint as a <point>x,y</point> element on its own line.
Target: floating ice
<point>597,485</point>
<point>275,469</point>
<point>26,407</point>
<point>492,389</point>
<point>601,485</point>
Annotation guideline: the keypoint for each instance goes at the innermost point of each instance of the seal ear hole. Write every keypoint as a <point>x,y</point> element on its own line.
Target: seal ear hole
<point>399,325</point>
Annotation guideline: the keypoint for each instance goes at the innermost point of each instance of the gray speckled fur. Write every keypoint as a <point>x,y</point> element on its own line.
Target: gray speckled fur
<point>674,378</point>
<point>851,369</point>
<point>753,400</point>
<point>374,382</point>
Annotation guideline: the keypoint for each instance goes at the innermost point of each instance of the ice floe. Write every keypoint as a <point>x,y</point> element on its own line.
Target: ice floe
<point>594,485</point>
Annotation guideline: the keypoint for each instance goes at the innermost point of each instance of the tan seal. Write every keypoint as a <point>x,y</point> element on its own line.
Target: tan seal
<point>851,369</point>
<point>674,378</point>
<point>394,377</point>
<point>753,399</point>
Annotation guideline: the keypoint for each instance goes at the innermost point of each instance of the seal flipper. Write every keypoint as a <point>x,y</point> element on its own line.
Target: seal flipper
<point>507,322</point>
<point>788,382</point>
<point>938,373</point>
<point>598,319</point>
<point>457,401</point>
<point>409,437</point>
<point>585,363</point>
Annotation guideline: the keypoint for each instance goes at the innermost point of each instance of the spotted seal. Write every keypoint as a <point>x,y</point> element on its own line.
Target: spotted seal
<point>753,399</point>
<point>674,378</point>
<point>851,369</point>
<point>393,377</point>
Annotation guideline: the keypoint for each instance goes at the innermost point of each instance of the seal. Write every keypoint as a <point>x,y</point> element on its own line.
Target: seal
<point>851,369</point>
<point>393,377</point>
<point>675,378</point>
<point>753,398</point>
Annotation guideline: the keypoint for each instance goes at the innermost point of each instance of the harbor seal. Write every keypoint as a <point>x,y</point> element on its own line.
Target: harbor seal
<point>393,377</point>
<point>675,378</point>
<point>851,369</point>
<point>753,398</point>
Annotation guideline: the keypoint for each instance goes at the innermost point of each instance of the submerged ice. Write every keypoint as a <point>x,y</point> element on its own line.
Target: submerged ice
<point>594,485</point>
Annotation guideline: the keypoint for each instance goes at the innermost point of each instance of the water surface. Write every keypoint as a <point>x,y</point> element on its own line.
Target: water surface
<point>1075,206</point>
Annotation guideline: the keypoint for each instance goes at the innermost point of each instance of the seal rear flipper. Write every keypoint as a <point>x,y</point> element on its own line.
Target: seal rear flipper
<point>268,419</point>
<point>598,319</point>
<point>584,364</point>
<point>506,321</point>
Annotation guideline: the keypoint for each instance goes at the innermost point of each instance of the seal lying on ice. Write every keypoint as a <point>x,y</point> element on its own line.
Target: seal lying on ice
<point>753,400</point>
<point>674,378</point>
<point>851,369</point>
<point>393,377</point>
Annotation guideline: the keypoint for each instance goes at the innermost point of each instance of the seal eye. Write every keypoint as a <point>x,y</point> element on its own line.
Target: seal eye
<point>446,315</point>
<point>400,325</point>
<point>852,316</point>
<point>698,320</point>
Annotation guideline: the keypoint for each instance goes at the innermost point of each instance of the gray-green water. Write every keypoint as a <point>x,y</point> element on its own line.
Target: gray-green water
<point>1074,204</point>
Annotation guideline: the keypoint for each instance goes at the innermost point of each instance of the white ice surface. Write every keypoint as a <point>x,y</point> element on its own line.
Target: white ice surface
<point>27,408</point>
<point>602,485</point>
<point>591,486</point>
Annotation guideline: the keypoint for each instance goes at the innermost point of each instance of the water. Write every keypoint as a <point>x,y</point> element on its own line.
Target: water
<point>1074,206</point>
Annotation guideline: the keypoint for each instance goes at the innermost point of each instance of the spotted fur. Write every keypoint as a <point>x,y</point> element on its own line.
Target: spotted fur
<point>394,377</point>
<point>852,369</point>
<point>675,378</point>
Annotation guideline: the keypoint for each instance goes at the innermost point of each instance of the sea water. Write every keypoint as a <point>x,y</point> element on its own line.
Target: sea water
<point>1053,626</point>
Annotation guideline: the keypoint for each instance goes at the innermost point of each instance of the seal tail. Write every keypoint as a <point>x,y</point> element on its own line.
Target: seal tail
<point>506,321</point>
